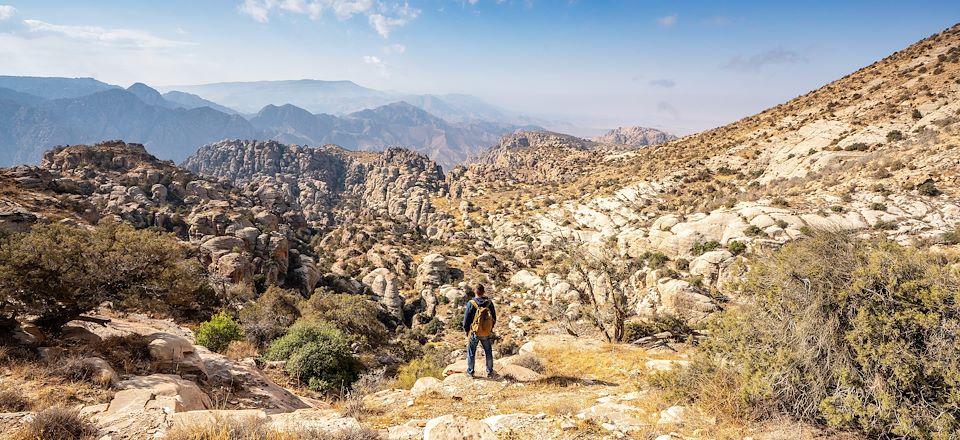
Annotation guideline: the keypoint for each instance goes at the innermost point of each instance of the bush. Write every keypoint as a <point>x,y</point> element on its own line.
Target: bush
<point>916,114</point>
<point>13,401</point>
<point>357,316</point>
<point>928,188</point>
<point>877,206</point>
<point>429,365</point>
<point>433,327</point>
<point>736,247</point>
<point>57,423</point>
<point>821,340</point>
<point>217,333</point>
<point>754,231</point>
<point>637,329</point>
<point>318,354</point>
<point>58,272</point>
<point>656,260</point>
<point>894,135</point>
<point>858,146</point>
<point>270,315</point>
<point>700,248</point>
<point>683,264</point>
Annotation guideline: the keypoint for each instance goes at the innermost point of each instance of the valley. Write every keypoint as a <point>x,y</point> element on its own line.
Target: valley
<point>303,272</point>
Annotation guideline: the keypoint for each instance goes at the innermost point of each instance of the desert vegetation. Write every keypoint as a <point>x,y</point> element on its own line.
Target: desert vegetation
<point>856,334</point>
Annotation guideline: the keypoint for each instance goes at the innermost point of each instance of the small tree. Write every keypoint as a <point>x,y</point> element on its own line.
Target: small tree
<point>270,315</point>
<point>57,273</point>
<point>605,283</point>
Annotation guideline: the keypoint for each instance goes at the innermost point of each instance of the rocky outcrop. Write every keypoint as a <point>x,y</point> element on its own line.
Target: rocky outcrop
<point>325,185</point>
<point>635,136</point>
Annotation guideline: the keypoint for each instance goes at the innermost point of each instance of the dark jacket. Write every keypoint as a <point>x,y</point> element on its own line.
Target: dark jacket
<point>472,311</point>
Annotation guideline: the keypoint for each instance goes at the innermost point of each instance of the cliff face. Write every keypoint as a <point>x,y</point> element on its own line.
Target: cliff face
<point>326,184</point>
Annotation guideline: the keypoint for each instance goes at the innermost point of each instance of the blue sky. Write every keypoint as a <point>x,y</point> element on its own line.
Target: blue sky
<point>679,65</point>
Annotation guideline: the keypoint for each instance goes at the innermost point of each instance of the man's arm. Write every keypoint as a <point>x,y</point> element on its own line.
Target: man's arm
<point>493,313</point>
<point>468,317</point>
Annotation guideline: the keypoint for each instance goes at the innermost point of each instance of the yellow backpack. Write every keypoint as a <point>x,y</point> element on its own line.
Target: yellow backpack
<point>482,320</point>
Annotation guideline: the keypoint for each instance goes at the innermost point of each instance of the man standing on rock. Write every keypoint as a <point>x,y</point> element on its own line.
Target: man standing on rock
<point>478,322</point>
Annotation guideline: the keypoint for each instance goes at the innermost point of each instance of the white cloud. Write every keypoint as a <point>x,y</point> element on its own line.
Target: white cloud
<point>402,15</point>
<point>383,17</point>
<point>668,20</point>
<point>472,2</point>
<point>7,11</point>
<point>395,48</point>
<point>378,63</point>
<point>258,10</point>
<point>124,38</point>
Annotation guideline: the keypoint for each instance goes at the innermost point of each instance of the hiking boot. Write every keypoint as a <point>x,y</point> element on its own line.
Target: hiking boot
<point>493,375</point>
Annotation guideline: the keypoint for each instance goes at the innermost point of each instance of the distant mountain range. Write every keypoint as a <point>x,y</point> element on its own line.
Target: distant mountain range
<point>342,97</point>
<point>38,113</point>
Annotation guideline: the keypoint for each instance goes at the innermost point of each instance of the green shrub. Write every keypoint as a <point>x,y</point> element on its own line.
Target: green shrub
<point>656,260</point>
<point>916,114</point>
<point>928,188</point>
<point>683,264</point>
<point>433,327</point>
<point>270,315</point>
<point>837,208</point>
<point>736,247</point>
<point>636,329</point>
<point>860,335</point>
<point>877,206</point>
<point>217,333</point>
<point>780,202</point>
<point>894,135</point>
<point>754,231</point>
<point>428,365</point>
<point>857,146</point>
<point>700,248</point>
<point>318,354</point>
<point>355,315</point>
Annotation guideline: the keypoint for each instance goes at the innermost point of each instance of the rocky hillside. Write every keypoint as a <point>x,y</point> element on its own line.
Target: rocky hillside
<point>635,136</point>
<point>239,238</point>
<point>326,184</point>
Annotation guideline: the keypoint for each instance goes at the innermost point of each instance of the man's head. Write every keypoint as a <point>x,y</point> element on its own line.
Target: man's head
<point>480,290</point>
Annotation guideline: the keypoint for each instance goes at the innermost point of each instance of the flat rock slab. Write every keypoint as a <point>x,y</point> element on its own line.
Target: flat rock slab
<point>214,417</point>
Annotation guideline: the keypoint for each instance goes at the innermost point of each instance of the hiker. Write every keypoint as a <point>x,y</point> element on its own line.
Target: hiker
<point>478,322</point>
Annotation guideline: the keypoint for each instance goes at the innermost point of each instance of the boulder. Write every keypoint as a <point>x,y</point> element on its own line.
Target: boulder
<point>679,298</point>
<point>176,353</point>
<point>211,417</point>
<point>673,415</point>
<point>101,371</point>
<point>386,287</point>
<point>508,422</point>
<point>320,420</point>
<point>451,427</point>
<point>432,271</point>
<point>427,385</point>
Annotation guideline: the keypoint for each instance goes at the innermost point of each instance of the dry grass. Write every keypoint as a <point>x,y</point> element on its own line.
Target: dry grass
<point>43,386</point>
<point>13,401</point>
<point>257,429</point>
<point>56,423</point>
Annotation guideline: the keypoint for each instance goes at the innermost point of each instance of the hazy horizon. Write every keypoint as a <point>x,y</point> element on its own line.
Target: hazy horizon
<point>678,67</point>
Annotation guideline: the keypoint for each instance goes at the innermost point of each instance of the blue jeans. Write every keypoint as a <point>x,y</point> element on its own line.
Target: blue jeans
<point>472,352</point>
